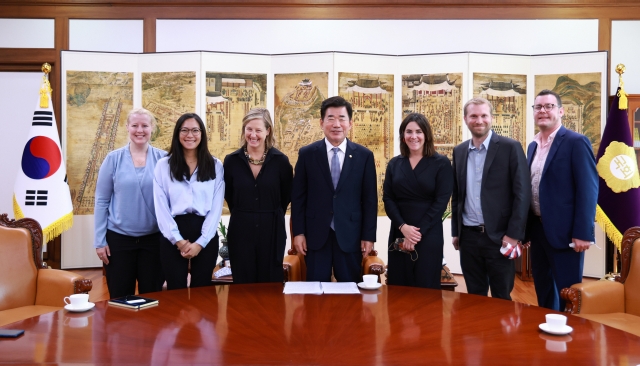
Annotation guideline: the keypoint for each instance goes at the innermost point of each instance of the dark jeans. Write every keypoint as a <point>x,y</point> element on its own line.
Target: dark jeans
<point>133,258</point>
<point>176,267</point>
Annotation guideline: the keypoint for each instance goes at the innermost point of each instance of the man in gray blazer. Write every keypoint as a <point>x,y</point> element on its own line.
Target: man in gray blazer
<point>490,202</point>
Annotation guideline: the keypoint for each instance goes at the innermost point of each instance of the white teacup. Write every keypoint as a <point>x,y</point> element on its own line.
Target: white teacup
<point>556,321</point>
<point>370,280</point>
<point>77,300</point>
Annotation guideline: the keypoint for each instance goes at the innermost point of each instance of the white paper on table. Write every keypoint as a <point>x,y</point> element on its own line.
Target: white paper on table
<point>302,287</point>
<point>340,288</point>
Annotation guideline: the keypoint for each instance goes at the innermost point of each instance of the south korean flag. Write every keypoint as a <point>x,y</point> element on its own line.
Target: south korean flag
<point>41,191</point>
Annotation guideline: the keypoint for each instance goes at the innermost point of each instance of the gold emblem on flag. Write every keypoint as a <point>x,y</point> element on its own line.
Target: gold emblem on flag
<point>618,167</point>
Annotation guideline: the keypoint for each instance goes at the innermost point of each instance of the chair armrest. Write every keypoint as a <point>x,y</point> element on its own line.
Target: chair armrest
<point>291,268</point>
<point>372,264</point>
<point>599,297</point>
<point>54,285</point>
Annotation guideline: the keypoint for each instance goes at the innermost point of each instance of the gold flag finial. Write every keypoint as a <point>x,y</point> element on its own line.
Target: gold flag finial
<point>45,88</point>
<point>622,101</point>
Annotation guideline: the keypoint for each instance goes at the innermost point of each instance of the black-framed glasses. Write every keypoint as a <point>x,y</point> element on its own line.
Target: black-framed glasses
<point>547,107</point>
<point>194,131</point>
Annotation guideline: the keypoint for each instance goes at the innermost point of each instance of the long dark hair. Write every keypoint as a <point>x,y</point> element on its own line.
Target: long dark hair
<point>177,163</point>
<point>428,149</point>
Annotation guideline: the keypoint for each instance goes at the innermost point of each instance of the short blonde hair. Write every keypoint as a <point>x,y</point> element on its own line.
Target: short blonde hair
<point>144,112</point>
<point>478,101</point>
<point>265,116</point>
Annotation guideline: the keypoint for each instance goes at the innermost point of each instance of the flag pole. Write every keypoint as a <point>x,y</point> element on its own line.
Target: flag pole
<point>45,88</point>
<point>622,104</point>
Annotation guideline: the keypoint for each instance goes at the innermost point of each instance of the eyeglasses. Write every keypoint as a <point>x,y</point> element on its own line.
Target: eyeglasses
<point>547,107</point>
<point>194,131</point>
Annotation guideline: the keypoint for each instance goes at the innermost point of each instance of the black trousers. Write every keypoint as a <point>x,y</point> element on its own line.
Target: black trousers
<point>423,272</point>
<point>346,266</point>
<point>484,267</point>
<point>133,259</point>
<point>176,267</point>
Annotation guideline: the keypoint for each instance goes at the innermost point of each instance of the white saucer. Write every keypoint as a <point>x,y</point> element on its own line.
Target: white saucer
<point>564,330</point>
<point>89,306</point>
<point>374,287</point>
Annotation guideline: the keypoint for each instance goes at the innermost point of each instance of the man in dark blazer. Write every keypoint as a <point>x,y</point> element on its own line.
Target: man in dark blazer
<point>334,203</point>
<point>490,202</point>
<point>564,184</point>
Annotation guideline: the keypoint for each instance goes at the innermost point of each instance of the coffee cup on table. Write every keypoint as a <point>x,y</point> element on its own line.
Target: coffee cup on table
<point>77,300</point>
<point>556,322</point>
<point>370,280</point>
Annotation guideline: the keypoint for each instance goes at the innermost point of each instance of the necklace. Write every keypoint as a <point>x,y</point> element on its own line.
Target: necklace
<point>255,161</point>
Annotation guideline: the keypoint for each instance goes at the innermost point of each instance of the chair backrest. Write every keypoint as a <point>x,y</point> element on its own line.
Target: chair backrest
<point>20,247</point>
<point>630,273</point>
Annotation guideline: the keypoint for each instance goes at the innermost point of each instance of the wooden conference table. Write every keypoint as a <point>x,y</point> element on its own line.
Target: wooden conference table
<point>257,324</point>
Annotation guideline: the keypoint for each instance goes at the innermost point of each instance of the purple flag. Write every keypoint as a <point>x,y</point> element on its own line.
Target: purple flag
<point>619,195</point>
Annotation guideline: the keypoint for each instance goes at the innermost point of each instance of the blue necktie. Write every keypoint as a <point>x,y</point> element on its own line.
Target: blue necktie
<point>335,172</point>
<point>335,167</point>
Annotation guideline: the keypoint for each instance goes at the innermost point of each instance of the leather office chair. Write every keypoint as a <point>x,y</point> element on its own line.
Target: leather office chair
<point>616,304</point>
<point>27,287</point>
<point>295,268</point>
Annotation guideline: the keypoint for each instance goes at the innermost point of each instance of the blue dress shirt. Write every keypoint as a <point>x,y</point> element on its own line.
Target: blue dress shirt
<point>472,212</point>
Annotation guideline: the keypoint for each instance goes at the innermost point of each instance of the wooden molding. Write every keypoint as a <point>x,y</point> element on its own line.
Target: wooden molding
<point>294,3</point>
<point>149,37</point>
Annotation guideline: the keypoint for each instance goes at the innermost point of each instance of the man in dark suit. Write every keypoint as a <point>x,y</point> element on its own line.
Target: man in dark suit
<point>334,203</point>
<point>564,185</point>
<point>491,195</point>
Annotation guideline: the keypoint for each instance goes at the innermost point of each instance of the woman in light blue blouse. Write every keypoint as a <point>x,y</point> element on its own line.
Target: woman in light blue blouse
<point>126,230</point>
<point>188,192</point>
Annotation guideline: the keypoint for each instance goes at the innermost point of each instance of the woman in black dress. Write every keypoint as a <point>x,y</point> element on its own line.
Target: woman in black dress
<point>417,188</point>
<point>258,181</point>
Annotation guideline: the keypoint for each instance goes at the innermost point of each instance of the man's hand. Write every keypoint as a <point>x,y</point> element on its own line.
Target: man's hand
<point>455,242</point>
<point>508,240</point>
<point>366,247</point>
<point>580,245</point>
<point>300,243</point>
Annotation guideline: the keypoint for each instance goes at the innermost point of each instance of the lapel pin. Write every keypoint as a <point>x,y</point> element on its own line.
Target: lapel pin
<point>350,156</point>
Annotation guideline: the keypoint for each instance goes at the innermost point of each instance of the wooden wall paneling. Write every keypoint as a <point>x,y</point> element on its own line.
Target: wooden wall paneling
<point>298,3</point>
<point>149,36</point>
<point>604,43</point>
<point>282,9</point>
